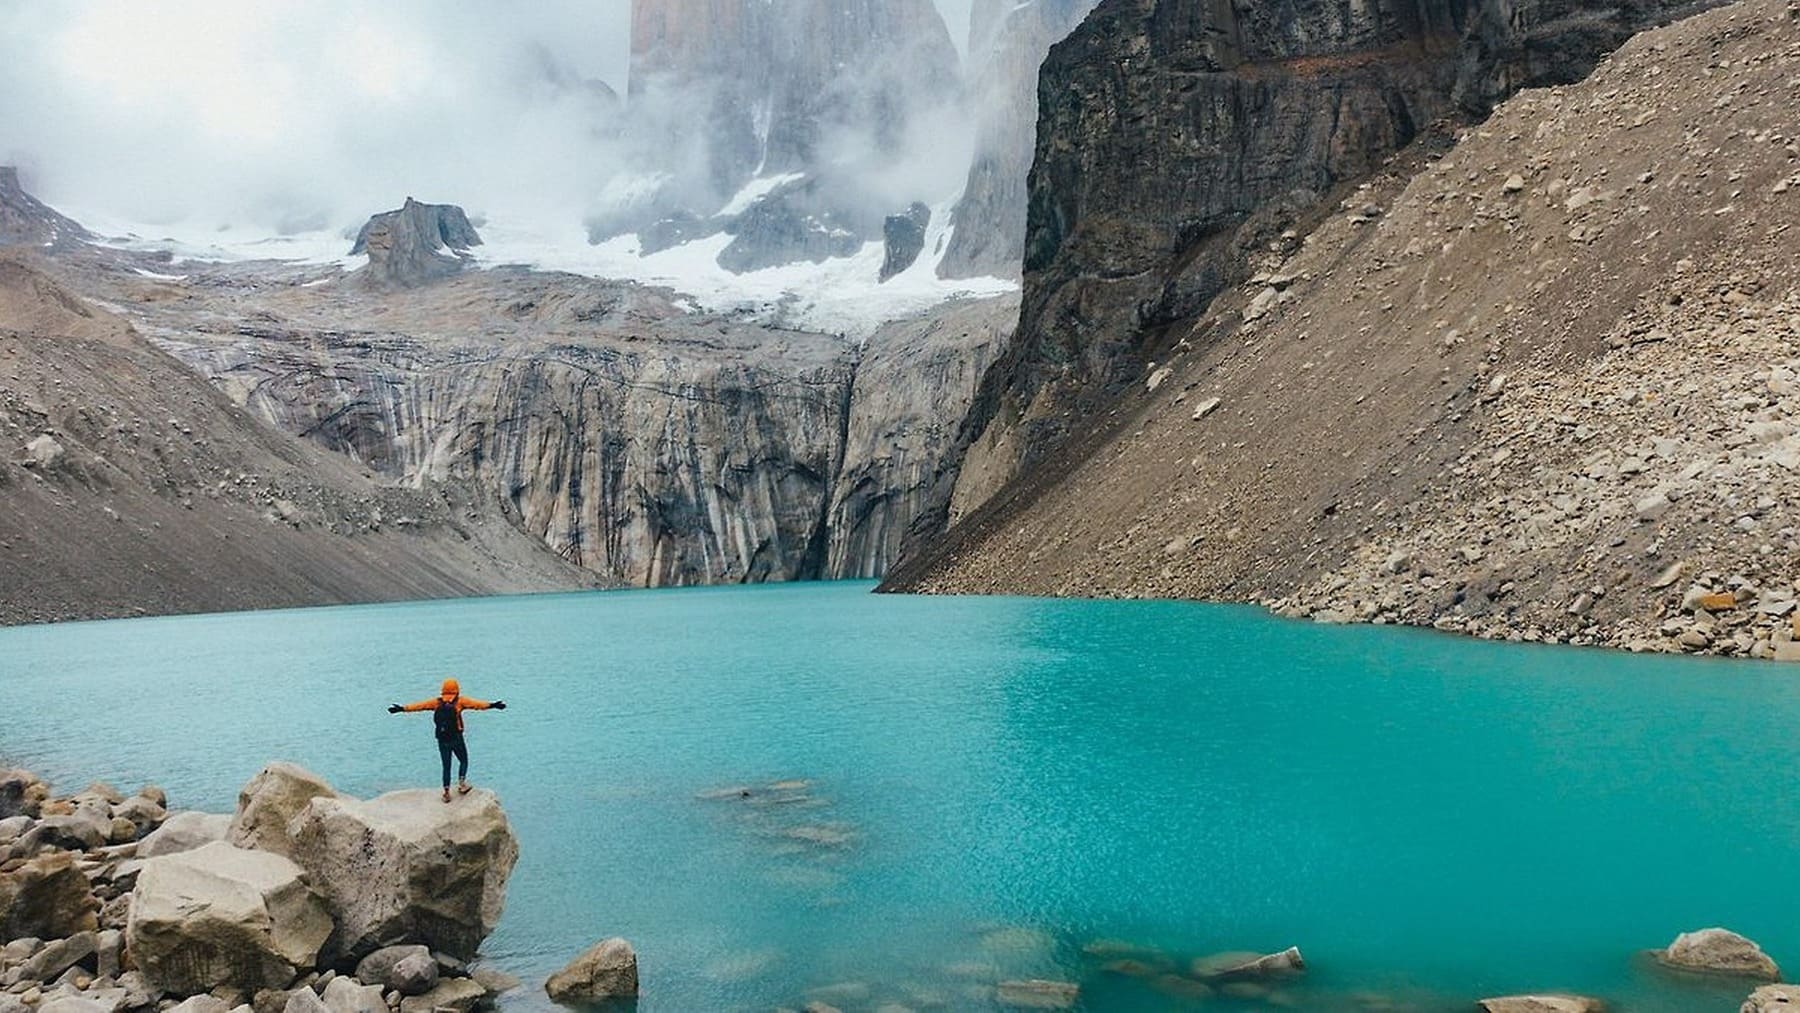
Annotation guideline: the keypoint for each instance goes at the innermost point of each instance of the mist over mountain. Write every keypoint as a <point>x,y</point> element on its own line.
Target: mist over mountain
<point>742,135</point>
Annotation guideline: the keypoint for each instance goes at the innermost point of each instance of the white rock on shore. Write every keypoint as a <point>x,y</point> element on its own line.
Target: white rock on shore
<point>224,916</point>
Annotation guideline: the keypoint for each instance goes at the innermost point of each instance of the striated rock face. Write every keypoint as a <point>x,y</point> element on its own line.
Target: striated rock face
<point>1176,136</point>
<point>648,446</point>
<point>1008,41</point>
<point>416,244</point>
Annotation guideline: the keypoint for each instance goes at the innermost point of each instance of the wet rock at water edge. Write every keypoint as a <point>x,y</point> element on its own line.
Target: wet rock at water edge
<point>1772,999</point>
<point>406,866</point>
<point>1547,1003</point>
<point>1718,951</point>
<point>608,970</point>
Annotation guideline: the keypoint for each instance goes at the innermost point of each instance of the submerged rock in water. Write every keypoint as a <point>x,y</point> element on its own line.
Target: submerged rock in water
<point>224,916</point>
<point>1718,951</point>
<point>1542,1004</point>
<point>47,897</point>
<point>1772,999</point>
<point>608,970</point>
<point>1248,964</point>
<point>406,866</point>
<point>1036,993</point>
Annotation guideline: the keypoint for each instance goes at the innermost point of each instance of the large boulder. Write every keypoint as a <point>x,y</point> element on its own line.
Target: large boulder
<point>344,995</point>
<point>1551,1003</point>
<point>406,867</point>
<point>1772,999</point>
<point>21,793</point>
<point>608,970</point>
<point>1721,952</point>
<point>270,801</point>
<point>457,995</point>
<point>47,897</point>
<point>220,916</point>
<point>184,831</point>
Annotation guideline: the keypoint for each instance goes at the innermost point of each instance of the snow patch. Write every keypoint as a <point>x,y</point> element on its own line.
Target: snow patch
<point>756,190</point>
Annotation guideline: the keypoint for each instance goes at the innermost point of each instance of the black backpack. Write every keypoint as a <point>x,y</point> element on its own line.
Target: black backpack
<point>444,717</point>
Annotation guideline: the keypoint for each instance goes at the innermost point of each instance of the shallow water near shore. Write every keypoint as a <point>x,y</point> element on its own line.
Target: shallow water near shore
<point>987,786</point>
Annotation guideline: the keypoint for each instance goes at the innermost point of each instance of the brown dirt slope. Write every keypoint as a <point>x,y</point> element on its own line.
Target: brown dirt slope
<point>1544,389</point>
<point>128,485</point>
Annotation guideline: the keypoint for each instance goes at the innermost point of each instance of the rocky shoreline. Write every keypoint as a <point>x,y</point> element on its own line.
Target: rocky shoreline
<point>304,900</point>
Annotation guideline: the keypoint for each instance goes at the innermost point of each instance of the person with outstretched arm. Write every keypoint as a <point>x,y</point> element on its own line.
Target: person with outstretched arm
<point>446,709</point>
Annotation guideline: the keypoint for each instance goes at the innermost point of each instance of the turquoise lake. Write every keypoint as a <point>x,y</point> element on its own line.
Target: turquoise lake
<point>994,784</point>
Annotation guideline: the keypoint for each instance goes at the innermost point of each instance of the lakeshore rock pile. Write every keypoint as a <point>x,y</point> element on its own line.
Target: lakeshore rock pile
<point>303,901</point>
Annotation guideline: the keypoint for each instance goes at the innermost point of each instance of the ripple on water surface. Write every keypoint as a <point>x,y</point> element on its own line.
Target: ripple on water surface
<point>811,792</point>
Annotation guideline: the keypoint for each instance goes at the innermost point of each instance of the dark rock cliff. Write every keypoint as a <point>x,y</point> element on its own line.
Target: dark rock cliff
<point>415,244</point>
<point>1177,136</point>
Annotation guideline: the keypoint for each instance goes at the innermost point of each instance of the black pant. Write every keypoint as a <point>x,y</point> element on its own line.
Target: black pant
<point>453,745</point>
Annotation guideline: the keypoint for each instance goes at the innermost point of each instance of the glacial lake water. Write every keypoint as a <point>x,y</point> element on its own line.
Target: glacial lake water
<point>994,784</point>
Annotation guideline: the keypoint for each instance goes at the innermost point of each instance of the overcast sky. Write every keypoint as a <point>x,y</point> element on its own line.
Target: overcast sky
<point>151,110</point>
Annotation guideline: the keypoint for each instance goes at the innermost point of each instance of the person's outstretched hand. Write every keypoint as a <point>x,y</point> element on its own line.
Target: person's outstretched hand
<point>499,705</point>
<point>395,708</point>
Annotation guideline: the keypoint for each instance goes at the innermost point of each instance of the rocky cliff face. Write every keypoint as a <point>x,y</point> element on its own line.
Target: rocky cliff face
<point>1536,382</point>
<point>416,244</point>
<point>646,445</point>
<point>1178,137</point>
<point>1007,44</point>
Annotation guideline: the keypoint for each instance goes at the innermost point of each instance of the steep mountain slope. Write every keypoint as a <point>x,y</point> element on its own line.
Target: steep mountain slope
<point>128,485</point>
<point>1544,388</point>
<point>1179,136</point>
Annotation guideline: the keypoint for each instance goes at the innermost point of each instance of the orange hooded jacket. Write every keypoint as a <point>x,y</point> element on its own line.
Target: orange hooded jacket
<point>450,691</point>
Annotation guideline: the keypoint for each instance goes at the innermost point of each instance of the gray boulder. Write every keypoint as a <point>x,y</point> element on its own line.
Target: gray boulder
<point>406,866</point>
<point>344,995</point>
<point>47,897</point>
<point>184,831</point>
<point>1718,951</point>
<point>202,1004</point>
<point>1549,1003</point>
<point>608,970</point>
<point>74,1004</point>
<point>415,974</point>
<point>269,802</point>
<point>224,916</point>
<point>378,967</point>
<point>304,1000</point>
<point>21,793</point>
<point>1772,999</point>
<point>458,995</point>
<point>58,956</point>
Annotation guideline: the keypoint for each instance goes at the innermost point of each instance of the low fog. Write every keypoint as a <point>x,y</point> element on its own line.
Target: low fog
<point>289,116</point>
